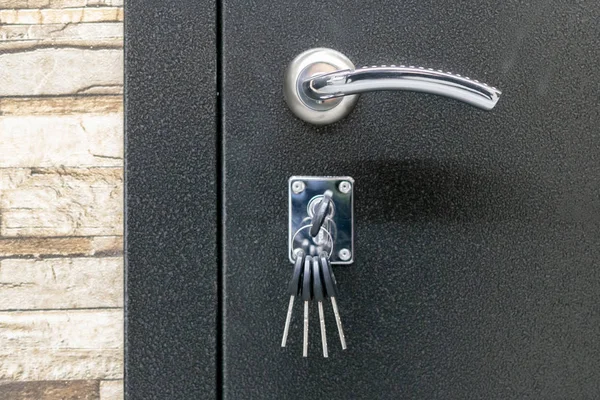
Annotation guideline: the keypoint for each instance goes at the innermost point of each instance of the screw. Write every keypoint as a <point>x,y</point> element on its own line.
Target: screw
<point>345,254</point>
<point>298,187</point>
<point>345,187</point>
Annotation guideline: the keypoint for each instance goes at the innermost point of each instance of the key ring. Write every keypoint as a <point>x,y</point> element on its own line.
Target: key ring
<point>310,226</point>
<point>328,221</point>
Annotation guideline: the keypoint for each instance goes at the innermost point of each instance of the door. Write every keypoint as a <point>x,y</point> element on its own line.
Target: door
<point>477,236</point>
<point>476,265</point>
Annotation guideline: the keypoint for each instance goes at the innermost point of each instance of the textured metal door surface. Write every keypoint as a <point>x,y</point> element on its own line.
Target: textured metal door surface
<point>477,233</point>
<point>171,198</point>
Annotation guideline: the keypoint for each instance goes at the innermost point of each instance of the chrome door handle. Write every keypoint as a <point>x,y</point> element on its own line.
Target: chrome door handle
<point>322,85</point>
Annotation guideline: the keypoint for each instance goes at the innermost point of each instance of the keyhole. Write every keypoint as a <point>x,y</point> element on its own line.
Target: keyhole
<point>313,203</point>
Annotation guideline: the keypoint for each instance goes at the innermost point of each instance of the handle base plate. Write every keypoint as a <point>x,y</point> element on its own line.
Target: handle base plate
<point>306,65</point>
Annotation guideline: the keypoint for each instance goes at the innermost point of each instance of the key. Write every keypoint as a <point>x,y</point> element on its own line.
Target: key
<point>319,296</point>
<point>331,292</point>
<point>306,297</point>
<point>320,213</point>
<point>294,291</point>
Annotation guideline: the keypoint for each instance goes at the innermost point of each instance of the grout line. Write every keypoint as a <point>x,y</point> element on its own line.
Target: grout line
<point>65,169</point>
<point>57,237</point>
<point>57,46</point>
<point>118,254</point>
<point>33,310</point>
<point>62,95</point>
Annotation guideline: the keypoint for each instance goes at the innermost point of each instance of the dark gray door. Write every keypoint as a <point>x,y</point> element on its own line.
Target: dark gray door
<point>477,233</point>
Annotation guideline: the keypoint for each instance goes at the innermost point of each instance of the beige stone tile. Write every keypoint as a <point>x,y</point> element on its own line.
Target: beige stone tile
<point>111,390</point>
<point>63,71</point>
<point>23,4</point>
<point>61,202</point>
<point>61,16</point>
<point>79,140</point>
<point>61,246</point>
<point>61,283</point>
<point>50,390</point>
<point>64,105</point>
<point>15,37</point>
<point>61,345</point>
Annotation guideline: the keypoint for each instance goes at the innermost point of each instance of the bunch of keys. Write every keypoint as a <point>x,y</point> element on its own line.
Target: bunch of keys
<point>313,279</point>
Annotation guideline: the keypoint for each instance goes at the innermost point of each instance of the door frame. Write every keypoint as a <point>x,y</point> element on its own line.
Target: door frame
<point>172,147</point>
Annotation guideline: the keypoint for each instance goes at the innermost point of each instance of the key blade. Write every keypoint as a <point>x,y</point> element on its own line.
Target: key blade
<point>305,344</point>
<point>338,322</point>
<point>288,319</point>
<point>323,334</point>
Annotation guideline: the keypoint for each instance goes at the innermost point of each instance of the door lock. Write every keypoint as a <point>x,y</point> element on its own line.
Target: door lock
<point>320,234</point>
<point>322,85</point>
<point>321,217</point>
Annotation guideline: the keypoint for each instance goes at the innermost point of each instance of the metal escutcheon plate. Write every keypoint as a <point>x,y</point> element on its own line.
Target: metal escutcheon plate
<point>337,235</point>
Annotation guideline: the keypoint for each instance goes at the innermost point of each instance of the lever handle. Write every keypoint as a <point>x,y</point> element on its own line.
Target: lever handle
<point>370,79</point>
<point>321,85</point>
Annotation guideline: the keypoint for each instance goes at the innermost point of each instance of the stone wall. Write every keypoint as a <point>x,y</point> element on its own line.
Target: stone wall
<point>61,199</point>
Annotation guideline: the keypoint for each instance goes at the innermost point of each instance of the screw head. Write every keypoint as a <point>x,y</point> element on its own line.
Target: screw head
<point>345,255</point>
<point>298,187</point>
<point>345,187</point>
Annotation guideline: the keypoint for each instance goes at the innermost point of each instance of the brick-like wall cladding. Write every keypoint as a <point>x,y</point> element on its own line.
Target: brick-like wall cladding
<point>61,199</point>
